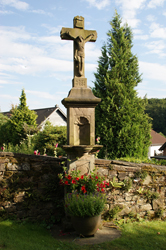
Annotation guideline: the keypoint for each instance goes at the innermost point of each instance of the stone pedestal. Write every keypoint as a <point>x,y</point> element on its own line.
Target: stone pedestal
<point>81,157</point>
<point>81,147</point>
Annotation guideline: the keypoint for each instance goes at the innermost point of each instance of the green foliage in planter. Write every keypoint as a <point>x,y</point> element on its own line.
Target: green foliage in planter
<point>84,205</point>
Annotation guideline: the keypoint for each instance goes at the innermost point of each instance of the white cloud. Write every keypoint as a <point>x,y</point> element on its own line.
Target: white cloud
<point>157,31</point>
<point>155,3</point>
<point>42,12</point>
<point>23,53</point>
<point>151,18</point>
<point>20,5</point>
<point>3,81</point>
<point>99,4</point>
<point>156,47</point>
<point>41,94</point>
<point>6,12</point>
<point>154,71</point>
<point>52,30</point>
<point>141,37</point>
<point>11,97</point>
<point>129,10</point>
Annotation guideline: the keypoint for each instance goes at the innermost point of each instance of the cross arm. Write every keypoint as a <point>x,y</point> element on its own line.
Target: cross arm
<point>73,33</point>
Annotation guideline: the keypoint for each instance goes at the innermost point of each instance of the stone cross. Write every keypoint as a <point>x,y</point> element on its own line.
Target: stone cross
<point>80,37</point>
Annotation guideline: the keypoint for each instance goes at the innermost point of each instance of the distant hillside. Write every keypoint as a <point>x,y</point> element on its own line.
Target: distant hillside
<point>156,109</point>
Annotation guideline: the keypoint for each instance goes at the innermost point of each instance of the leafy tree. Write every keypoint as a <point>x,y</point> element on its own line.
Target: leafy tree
<point>21,118</point>
<point>121,122</point>
<point>3,132</point>
<point>156,109</point>
<point>46,140</point>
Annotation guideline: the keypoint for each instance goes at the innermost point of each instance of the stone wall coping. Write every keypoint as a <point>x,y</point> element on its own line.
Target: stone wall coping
<point>150,167</point>
<point>33,157</point>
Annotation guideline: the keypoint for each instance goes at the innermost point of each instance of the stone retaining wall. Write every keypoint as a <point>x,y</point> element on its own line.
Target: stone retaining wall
<point>142,191</point>
<point>29,187</point>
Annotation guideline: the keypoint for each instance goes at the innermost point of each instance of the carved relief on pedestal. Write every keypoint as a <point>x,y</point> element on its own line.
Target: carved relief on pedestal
<point>81,131</point>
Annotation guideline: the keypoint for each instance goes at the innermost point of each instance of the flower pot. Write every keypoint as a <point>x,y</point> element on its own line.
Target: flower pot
<point>86,226</point>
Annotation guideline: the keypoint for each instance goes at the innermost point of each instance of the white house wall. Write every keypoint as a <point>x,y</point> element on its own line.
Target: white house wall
<point>154,150</point>
<point>55,120</point>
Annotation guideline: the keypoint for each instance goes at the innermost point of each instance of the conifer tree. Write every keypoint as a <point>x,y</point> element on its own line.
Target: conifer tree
<point>121,122</point>
<point>22,121</point>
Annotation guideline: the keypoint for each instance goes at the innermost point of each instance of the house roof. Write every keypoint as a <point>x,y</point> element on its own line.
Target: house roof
<point>44,113</point>
<point>163,147</point>
<point>157,139</point>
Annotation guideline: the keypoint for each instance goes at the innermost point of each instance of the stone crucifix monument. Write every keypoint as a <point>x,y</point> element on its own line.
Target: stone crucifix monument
<point>80,103</point>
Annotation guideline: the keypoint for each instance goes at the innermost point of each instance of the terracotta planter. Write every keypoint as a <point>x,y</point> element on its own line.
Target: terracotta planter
<point>86,226</point>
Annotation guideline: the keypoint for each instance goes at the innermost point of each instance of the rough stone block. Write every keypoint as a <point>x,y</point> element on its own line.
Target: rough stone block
<point>19,197</point>
<point>102,171</point>
<point>135,209</point>
<point>125,211</point>
<point>128,197</point>
<point>147,180</point>
<point>12,167</point>
<point>145,207</point>
<point>112,173</point>
<point>25,166</point>
<point>131,174</point>
<point>141,201</point>
<point>122,175</point>
<point>2,166</point>
<point>158,203</point>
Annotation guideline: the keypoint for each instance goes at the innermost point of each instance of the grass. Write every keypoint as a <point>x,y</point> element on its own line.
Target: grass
<point>135,236</point>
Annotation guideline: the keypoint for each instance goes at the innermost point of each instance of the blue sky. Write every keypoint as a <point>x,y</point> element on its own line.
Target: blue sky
<point>33,57</point>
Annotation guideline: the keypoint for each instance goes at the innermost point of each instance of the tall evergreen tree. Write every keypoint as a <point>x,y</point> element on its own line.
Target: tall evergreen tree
<point>22,121</point>
<point>121,122</point>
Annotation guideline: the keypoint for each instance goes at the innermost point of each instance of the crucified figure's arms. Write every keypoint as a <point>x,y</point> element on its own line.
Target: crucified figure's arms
<point>66,35</point>
<point>88,38</point>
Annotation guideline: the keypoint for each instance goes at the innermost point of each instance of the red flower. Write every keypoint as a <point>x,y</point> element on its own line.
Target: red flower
<point>66,183</point>
<point>74,181</point>
<point>69,177</point>
<point>83,189</point>
<point>82,177</point>
<point>98,189</point>
<point>77,178</point>
<point>96,177</point>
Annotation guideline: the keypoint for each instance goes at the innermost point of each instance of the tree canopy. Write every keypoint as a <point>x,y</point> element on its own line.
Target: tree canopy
<point>121,122</point>
<point>22,122</point>
<point>156,109</point>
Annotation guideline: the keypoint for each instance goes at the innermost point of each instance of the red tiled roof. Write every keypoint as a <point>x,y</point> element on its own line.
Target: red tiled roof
<point>157,139</point>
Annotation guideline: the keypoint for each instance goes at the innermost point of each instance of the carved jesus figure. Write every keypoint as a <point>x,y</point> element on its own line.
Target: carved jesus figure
<point>79,51</point>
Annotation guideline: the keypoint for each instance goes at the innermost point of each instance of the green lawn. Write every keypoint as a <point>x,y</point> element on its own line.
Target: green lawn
<point>135,236</point>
